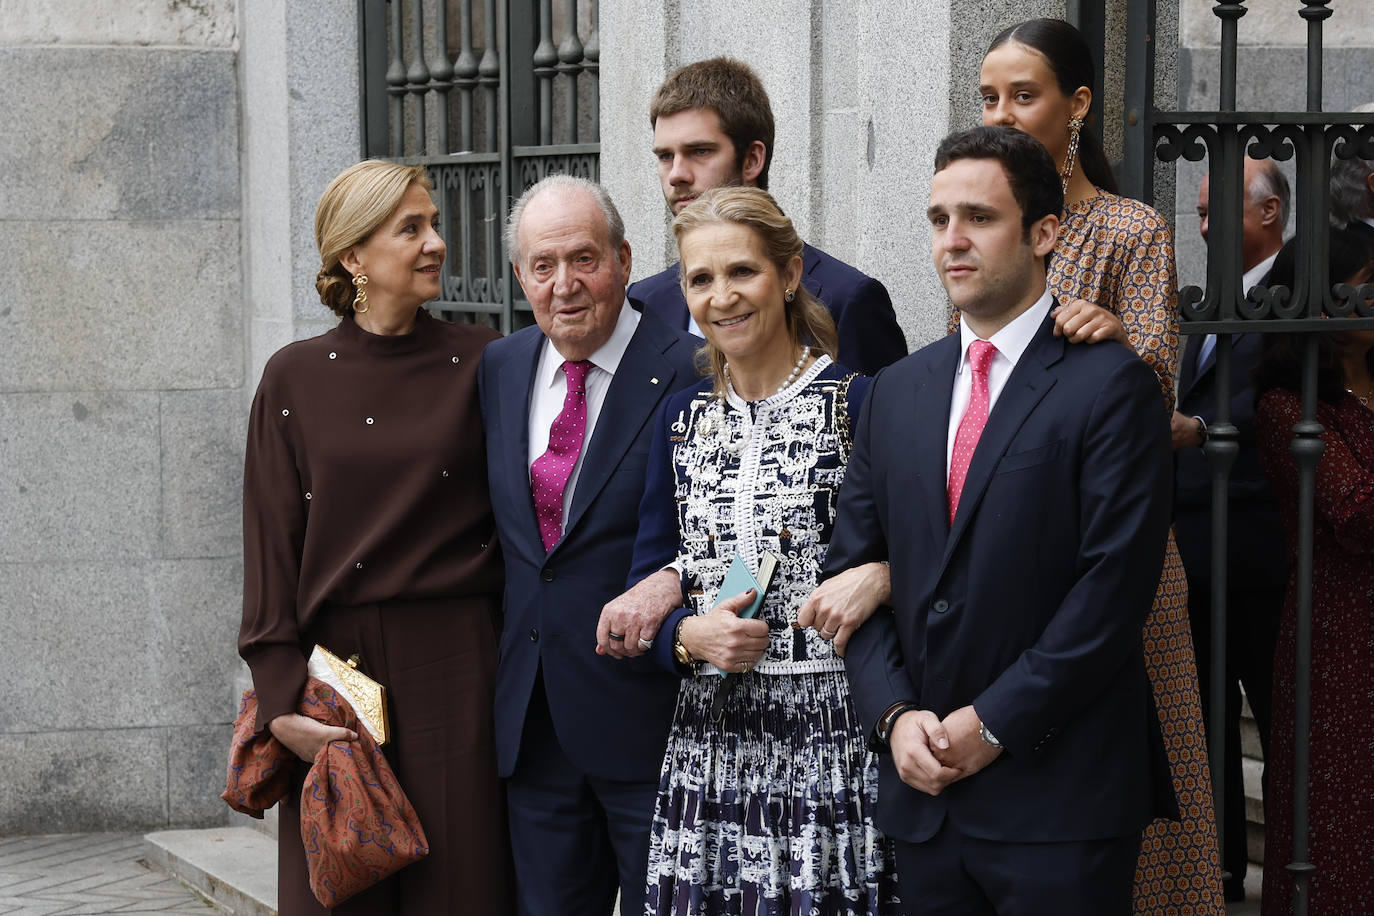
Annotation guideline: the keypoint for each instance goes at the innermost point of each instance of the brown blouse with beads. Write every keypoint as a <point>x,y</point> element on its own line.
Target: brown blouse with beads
<point>364,481</point>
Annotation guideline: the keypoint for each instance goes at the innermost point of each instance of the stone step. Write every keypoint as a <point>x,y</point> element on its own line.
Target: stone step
<point>235,867</point>
<point>1251,771</point>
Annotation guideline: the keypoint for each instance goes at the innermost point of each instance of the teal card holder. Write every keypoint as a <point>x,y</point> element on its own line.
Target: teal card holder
<point>738,580</point>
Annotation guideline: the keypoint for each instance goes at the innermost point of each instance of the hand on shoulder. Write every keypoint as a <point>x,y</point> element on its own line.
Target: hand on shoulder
<point>1079,321</point>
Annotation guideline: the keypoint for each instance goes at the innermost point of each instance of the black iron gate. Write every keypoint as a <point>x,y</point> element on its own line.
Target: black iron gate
<point>490,96</point>
<point>1316,303</point>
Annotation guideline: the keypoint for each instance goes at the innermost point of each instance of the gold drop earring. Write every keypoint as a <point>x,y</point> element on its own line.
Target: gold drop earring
<point>360,300</point>
<point>1066,173</point>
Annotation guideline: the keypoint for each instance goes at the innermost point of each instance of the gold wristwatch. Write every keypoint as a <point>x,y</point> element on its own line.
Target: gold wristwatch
<point>680,653</point>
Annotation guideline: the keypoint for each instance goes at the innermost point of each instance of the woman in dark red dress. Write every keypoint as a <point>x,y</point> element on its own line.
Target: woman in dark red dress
<point>368,530</point>
<point>1341,737</point>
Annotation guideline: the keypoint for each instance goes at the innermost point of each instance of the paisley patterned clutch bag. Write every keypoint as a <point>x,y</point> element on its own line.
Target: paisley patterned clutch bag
<point>366,696</point>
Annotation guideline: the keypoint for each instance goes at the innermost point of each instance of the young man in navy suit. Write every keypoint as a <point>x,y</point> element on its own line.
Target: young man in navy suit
<point>566,407</point>
<point>713,127</point>
<point>1020,487</point>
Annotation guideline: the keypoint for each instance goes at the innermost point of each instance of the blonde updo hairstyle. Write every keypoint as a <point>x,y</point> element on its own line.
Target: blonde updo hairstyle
<point>354,206</point>
<point>808,322</point>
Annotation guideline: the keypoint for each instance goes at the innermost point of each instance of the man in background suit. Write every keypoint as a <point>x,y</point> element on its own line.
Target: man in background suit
<point>566,407</point>
<point>1256,565</point>
<point>1007,679</point>
<point>713,126</point>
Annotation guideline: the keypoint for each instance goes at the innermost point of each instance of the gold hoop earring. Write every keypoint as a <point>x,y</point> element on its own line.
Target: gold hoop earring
<point>788,295</point>
<point>1066,173</point>
<point>360,300</point>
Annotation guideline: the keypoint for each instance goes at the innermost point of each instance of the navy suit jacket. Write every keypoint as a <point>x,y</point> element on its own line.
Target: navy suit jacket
<point>611,716</point>
<point>870,337</point>
<point>1031,606</point>
<point>1255,551</point>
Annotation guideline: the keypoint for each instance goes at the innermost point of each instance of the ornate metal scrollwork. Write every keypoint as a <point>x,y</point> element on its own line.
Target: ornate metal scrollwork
<point>1192,142</point>
<point>1348,141</point>
<point>1352,301</point>
<point>1279,142</point>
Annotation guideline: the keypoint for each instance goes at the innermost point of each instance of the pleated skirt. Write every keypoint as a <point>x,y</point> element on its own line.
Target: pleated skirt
<point>770,810</point>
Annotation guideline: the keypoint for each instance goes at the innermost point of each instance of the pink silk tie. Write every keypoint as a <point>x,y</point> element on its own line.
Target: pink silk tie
<point>550,471</point>
<point>980,354</point>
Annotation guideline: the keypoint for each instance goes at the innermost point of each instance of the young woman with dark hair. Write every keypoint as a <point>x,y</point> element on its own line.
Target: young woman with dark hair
<point>1112,273</point>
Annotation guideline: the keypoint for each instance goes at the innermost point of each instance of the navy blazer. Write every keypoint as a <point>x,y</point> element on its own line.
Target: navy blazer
<point>1255,551</point>
<point>611,716</point>
<point>1031,606</point>
<point>870,337</point>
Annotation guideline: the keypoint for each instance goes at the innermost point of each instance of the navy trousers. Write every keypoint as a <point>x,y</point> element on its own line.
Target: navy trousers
<point>953,874</point>
<point>576,839</point>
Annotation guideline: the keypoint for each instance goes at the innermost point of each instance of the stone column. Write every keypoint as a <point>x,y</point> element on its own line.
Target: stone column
<point>298,75</point>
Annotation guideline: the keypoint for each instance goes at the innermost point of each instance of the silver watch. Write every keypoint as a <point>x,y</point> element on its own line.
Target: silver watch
<point>987,736</point>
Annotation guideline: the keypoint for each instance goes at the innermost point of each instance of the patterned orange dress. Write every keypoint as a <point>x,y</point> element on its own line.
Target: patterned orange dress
<point>1119,254</point>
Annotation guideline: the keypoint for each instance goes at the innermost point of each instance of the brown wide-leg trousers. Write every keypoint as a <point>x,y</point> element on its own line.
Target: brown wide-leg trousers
<point>437,659</point>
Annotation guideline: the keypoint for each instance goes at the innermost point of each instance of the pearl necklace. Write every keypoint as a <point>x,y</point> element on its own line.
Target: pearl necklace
<point>791,377</point>
<point>730,443</point>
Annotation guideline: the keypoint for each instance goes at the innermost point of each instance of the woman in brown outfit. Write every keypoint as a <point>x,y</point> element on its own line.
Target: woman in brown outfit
<point>367,530</point>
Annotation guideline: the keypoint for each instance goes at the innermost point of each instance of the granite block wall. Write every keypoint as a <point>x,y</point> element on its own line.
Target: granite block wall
<point>121,389</point>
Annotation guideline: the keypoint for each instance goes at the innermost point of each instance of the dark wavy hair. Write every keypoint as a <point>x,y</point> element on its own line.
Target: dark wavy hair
<point>1351,254</point>
<point>1071,62</point>
<point>1030,168</point>
<point>734,92</point>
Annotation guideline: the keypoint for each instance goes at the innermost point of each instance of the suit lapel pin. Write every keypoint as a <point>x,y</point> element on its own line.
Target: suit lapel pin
<point>654,380</point>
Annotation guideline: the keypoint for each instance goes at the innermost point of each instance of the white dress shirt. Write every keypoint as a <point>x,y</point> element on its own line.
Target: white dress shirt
<point>551,388</point>
<point>1011,341</point>
<point>1252,278</point>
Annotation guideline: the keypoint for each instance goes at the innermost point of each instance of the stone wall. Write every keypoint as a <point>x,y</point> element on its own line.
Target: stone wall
<point>121,422</point>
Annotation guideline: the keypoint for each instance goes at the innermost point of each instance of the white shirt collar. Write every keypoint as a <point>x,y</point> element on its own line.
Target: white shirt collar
<point>1256,273</point>
<point>1013,338</point>
<point>606,357</point>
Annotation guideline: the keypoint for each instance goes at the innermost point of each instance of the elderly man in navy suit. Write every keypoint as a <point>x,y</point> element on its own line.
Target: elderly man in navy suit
<point>581,723</point>
<point>1006,680</point>
<point>1256,565</point>
<point>713,126</point>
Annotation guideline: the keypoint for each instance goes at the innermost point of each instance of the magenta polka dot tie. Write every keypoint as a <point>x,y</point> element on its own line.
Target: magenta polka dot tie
<point>550,472</point>
<point>980,354</point>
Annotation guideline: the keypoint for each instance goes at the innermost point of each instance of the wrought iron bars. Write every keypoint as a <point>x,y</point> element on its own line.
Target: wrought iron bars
<point>489,96</point>
<point>443,73</point>
<point>1313,305</point>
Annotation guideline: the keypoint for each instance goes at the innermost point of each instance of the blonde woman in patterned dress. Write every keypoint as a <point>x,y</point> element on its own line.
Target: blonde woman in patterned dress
<point>1113,273</point>
<point>766,807</point>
